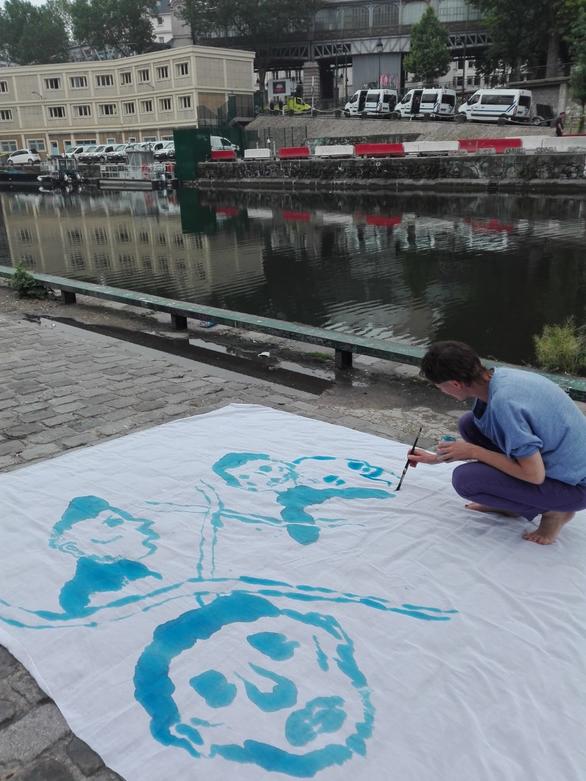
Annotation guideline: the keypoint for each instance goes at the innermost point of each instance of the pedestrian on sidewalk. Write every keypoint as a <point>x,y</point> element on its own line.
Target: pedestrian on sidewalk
<point>560,124</point>
<point>524,440</point>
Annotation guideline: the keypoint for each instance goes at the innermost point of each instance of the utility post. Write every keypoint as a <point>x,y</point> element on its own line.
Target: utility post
<point>379,48</point>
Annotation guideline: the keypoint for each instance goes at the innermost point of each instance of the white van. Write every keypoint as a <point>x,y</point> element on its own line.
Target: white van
<point>430,101</point>
<point>497,105</point>
<point>355,106</point>
<point>219,143</point>
<point>380,102</point>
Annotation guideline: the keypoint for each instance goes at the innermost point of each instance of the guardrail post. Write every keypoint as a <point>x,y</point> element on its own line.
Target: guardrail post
<point>68,297</point>
<point>179,322</point>
<point>343,359</point>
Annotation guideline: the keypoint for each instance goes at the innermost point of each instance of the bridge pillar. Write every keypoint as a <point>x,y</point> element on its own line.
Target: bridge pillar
<point>311,81</point>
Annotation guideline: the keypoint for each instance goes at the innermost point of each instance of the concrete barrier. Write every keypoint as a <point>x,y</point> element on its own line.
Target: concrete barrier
<point>335,150</point>
<point>293,152</point>
<point>380,150</point>
<point>430,147</point>
<point>257,154</point>
<point>499,145</point>
<point>222,154</point>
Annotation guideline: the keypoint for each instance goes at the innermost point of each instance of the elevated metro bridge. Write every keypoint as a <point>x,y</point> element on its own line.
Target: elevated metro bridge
<point>369,36</point>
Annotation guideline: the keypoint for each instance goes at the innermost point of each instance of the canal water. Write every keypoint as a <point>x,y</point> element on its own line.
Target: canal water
<point>491,270</point>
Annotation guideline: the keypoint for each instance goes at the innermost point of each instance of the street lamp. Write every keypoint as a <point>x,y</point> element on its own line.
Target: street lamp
<point>379,46</point>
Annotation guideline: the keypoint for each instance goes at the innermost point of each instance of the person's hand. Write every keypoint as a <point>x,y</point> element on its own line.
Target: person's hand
<point>455,451</point>
<point>421,456</point>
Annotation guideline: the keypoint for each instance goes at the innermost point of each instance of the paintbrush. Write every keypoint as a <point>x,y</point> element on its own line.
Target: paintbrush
<point>406,467</point>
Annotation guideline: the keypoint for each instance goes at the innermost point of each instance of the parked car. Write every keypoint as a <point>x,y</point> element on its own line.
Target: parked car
<point>84,157</point>
<point>118,154</point>
<point>219,142</point>
<point>75,151</point>
<point>99,154</point>
<point>166,152</point>
<point>23,156</point>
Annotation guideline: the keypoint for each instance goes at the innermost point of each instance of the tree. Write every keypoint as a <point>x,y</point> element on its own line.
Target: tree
<point>528,32</point>
<point>578,89</point>
<point>429,56</point>
<point>31,34</point>
<point>578,74</point>
<point>259,21</point>
<point>124,25</point>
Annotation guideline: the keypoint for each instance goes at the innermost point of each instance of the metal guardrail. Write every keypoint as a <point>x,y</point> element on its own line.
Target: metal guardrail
<point>344,345</point>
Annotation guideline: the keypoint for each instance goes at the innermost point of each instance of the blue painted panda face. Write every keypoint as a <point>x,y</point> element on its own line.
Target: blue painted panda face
<point>256,476</point>
<point>276,685</point>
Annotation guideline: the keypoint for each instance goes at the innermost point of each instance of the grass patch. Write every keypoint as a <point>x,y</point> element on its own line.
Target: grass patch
<point>26,285</point>
<point>561,348</point>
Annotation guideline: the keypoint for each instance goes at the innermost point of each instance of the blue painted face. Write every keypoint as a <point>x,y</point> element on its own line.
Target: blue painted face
<point>259,476</point>
<point>279,688</point>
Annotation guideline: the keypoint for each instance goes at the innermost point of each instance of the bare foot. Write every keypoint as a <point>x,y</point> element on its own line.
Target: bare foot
<point>482,508</point>
<point>549,528</point>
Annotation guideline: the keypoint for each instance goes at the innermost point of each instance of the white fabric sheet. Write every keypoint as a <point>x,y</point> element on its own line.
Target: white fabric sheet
<point>243,595</point>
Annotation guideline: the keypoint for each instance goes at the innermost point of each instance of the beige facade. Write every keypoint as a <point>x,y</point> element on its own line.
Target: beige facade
<point>135,98</point>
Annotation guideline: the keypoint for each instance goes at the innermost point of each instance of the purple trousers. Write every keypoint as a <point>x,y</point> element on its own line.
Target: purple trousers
<point>486,485</point>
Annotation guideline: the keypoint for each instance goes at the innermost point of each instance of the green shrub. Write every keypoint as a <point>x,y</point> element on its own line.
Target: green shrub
<point>561,348</point>
<point>26,285</point>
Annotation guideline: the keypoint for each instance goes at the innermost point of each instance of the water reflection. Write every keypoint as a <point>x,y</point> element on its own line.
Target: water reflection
<point>490,270</point>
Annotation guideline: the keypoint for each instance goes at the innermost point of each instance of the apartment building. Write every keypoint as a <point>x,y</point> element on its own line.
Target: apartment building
<point>136,98</point>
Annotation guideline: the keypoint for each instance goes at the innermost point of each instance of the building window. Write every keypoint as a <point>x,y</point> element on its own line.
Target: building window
<point>101,235</point>
<point>53,83</point>
<point>104,80</point>
<point>143,236</point>
<point>107,109</point>
<point>111,141</point>
<point>25,236</point>
<point>159,20</point>
<point>8,146</point>
<point>126,77</point>
<point>5,115</point>
<point>149,138</point>
<point>161,39</point>
<point>102,261</point>
<point>166,104</point>
<point>132,140</point>
<point>182,68</point>
<point>56,112</point>
<point>146,106</point>
<point>144,74</point>
<point>460,81</point>
<point>75,237</point>
<point>3,86</point>
<point>78,82</point>
<point>36,143</point>
<point>163,72</point>
<point>85,142</point>
<point>185,101</point>
<point>129,108</point>
<point>82,111</point>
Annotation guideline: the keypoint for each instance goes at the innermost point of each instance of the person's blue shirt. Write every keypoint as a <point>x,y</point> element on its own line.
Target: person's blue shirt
<point>526,413</point>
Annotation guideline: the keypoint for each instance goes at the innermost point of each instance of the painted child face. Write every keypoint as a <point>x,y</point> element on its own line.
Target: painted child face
<point>106,537</point>
<point>260,475</point>
<point>276,683</point>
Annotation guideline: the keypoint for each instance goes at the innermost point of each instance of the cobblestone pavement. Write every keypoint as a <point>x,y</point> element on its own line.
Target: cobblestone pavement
<point>63,388</point>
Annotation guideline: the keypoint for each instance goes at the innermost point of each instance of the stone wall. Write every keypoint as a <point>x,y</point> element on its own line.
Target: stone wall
<point>485,171</point>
